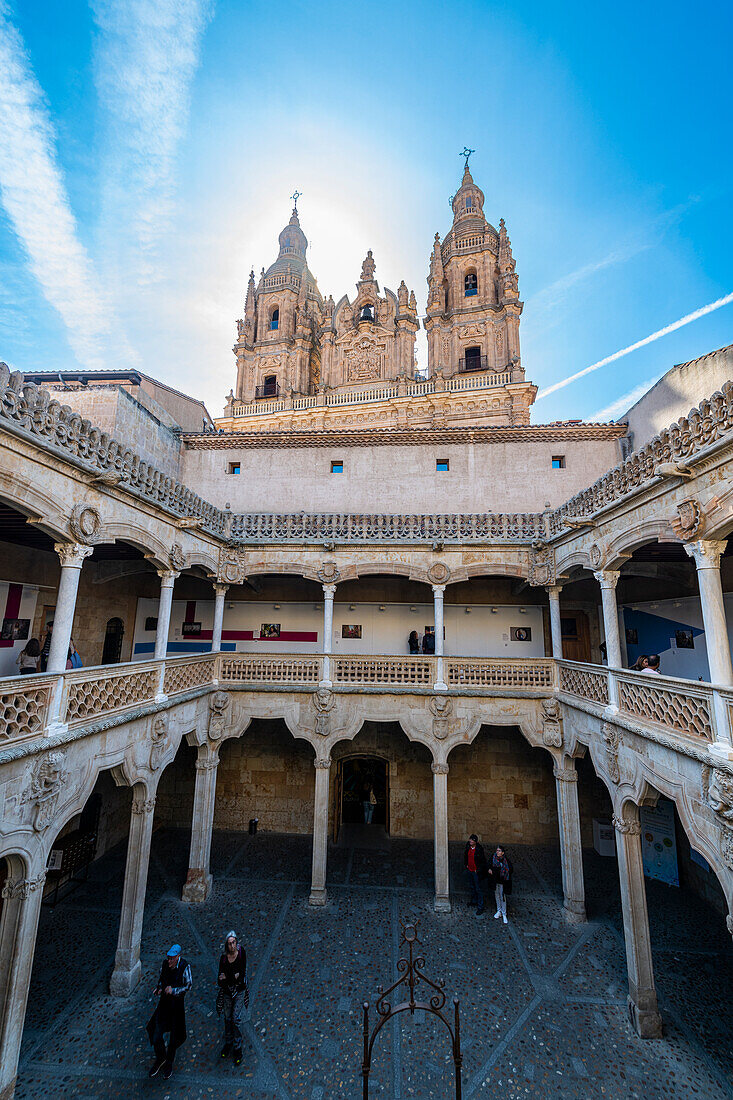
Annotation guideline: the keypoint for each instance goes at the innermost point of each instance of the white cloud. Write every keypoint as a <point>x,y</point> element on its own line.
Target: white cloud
<point>33,193</point>
<point>686,320</point>
<point>623,403</point>
<point>147,53</point>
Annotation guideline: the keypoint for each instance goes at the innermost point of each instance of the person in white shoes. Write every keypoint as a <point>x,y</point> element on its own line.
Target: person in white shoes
<point>501,871</point>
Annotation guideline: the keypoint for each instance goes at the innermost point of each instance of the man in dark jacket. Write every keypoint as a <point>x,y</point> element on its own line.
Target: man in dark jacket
<point>474,860</point>
<point>428,640</point>
<point>170,1015</point>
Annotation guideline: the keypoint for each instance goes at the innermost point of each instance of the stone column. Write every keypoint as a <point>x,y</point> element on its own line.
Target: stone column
<point>318,894</point>
<point>440,825</point>
<point>608,579</point>
<point>571,847</point>
<point>71,555</point>
<point>220,591</point>
<point>553,591</point>
<point>126,973</point>
<point>643,1011</point>
<point>329,591</point>
<point>167,580</point>
<point>438,592</point>
<point>198,879</point>
<point>22,898</point>
<point>706,555</point>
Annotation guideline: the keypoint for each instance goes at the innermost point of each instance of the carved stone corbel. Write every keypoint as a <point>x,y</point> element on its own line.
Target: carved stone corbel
<point>159,742</point>
<point>219,705</point>
<point>612,741</point>
<point>323,703</point>
<point>552,732</point>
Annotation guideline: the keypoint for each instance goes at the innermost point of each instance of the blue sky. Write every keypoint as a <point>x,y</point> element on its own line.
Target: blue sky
<point>148,149</point>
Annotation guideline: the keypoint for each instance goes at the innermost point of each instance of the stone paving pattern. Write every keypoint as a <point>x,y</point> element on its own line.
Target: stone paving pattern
<point>543,1002</point>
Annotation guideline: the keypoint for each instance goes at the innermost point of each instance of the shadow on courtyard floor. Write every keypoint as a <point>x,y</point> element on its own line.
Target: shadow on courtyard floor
<point>543,1003</point>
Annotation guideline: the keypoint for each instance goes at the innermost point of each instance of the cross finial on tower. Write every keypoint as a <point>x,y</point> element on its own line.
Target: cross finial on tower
<point>295,196</point>
<point>466,153</point>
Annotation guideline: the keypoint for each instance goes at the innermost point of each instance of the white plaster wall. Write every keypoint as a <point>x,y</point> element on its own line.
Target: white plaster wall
<point>691,664</point>
<point>9,654</point>
<point>502,477</point>
<point>480,632</point>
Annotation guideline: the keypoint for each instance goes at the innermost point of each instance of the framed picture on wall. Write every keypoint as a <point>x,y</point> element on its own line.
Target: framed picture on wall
<point>15,630</point>
<point>520,633</point>
<point>684,639</point>
<point>353,631</point>
<point>632,635</point>
<point>270,630</point>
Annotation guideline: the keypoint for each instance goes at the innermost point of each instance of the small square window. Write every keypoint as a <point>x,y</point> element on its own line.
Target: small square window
<point>337,467</point>
<point>442,465</point>
<point>235,468</point>
<point>558,462</point>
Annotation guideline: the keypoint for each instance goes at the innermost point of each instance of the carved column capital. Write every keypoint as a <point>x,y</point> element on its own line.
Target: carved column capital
<point>632,828</point>
<point>439,769</point>
<point>168,577</point>
<point>221,589</point>
<point>706,552</point>
<point>329,591</point>
<point>143,805</point>
<point>438,591</point>
<point>207,764</point>
<point>322,762</point>
<point>607,578</point>
<point>553,591</point>
<point>565,775</point>
<point>22,887</point>
<point>72,554</point>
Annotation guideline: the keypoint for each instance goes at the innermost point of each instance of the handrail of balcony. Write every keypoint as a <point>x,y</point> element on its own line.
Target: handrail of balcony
<point>42,705</point>
<point>270,390</point>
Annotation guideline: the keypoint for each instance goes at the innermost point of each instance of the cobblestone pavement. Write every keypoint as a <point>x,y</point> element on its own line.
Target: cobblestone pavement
<point>542,1002</point>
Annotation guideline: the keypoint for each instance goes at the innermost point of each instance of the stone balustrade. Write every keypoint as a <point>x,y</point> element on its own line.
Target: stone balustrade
<point>38,705</point>
<point>301,527</point>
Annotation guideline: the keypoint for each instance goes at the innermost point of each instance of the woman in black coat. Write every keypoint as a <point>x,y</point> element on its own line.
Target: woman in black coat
<point>502,870</point>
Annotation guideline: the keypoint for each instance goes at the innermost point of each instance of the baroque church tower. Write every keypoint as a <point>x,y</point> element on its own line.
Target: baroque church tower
<point>473,310</point>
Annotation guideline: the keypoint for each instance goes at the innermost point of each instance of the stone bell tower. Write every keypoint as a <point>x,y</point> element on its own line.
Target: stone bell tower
<point>277,341</point>
<point>473,310</point>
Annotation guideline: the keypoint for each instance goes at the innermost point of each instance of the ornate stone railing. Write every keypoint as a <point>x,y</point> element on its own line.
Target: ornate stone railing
<point>94,692</point>
<point>270,668</point>
<point>484,380</point>
<point>24,706</point>
<point>384,671</point>
<point>31,410</point>
<point>703,426</point>
<point>186,673</point>
<point>681,706</point>
<point>480,672</point>
<point>258,527</point>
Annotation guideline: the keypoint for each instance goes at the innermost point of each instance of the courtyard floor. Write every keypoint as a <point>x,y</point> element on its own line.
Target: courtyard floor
<point>543,1003</point>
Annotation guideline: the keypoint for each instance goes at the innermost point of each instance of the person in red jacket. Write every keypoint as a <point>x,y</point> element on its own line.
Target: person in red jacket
<point>474,860</point>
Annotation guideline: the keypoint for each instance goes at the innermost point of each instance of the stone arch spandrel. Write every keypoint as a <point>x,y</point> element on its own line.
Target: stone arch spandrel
<point>40,509</point>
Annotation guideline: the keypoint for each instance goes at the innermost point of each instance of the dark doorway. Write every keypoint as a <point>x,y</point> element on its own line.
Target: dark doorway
<point>114,634</point>
<point>473,359</point>
<point>363,791</point>
<point>575,636</point>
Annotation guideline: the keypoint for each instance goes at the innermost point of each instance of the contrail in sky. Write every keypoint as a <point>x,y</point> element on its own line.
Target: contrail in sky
<point>710,308</point>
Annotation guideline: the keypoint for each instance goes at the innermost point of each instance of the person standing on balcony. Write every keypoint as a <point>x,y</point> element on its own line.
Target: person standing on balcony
<point>640,664</point>
<point>233,995</point>
<point>474,860</point>
<point>428,640</point>
<point>413,642</point>
<point>46,648</point>
<point>652,664</point>
<point>27,659</point>
<point>502,871</point>
<point>170,1015</point>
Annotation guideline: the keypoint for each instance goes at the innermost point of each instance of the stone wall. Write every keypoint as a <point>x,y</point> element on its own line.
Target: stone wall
<point>501,789</point>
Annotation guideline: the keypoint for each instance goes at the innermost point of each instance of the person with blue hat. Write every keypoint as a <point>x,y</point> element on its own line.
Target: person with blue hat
<point>170,1014</point>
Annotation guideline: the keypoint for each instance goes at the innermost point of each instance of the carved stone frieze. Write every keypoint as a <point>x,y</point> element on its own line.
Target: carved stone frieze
<point>219,705</point>
<point>612,740</point>
<point>689,522</point>
<point>552,734</point>
<point>47,779</point>
<point>84,523</point>
<point>159,741</point>
<point>177,557</point>
<point>542,564</point>
<point>329,573</point>
<point>323,703</point>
